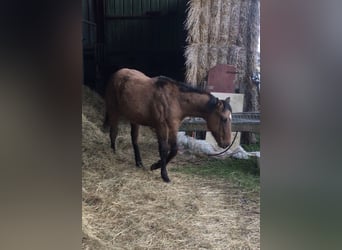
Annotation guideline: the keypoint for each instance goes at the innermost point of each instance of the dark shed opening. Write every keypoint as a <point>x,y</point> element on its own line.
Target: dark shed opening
<point>147,35</point>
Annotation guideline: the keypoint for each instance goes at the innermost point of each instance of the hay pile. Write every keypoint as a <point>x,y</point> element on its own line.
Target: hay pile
<point>223,32</point>
<point>128,208</point>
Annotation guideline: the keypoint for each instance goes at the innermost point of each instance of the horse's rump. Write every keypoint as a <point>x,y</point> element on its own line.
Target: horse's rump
<point>133,95</point>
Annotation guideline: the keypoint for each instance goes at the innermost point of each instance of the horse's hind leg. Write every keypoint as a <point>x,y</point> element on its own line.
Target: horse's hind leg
<point>113,132</point>
<point>134,137</point>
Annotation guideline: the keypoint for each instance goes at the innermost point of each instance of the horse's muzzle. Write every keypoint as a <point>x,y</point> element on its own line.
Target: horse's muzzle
<point>224,145</point>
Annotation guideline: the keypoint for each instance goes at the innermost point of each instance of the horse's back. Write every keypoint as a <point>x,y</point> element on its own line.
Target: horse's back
<point>130,73</point>
<point>130,93</point>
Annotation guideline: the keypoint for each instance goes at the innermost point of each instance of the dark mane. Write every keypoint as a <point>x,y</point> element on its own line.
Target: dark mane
<point>183,87</point>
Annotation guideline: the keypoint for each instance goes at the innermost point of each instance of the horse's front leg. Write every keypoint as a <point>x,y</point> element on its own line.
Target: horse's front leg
<point>165,156</point>
<point>173,143</point>
<point>163,150</point>
<point>173,152</point>
<point>163,146</point>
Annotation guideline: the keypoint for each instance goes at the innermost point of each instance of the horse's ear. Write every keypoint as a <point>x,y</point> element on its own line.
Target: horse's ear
<point>227,100</point>
<point>219,104</point>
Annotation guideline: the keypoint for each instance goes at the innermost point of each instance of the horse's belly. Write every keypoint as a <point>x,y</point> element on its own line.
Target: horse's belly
<point>138,114</point>
<point>137,103</point>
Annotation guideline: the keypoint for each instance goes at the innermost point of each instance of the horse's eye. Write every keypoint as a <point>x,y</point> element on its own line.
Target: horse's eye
<point>224,120</point>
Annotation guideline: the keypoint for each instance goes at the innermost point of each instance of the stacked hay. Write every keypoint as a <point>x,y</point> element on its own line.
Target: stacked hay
<point>223,32</point>
<point>128,208</point>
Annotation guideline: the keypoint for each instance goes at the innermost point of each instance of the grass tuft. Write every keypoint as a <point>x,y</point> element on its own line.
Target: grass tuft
<point>242,173</point>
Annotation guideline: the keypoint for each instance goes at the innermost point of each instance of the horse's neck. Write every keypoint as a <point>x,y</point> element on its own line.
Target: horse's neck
<point>194,104</point>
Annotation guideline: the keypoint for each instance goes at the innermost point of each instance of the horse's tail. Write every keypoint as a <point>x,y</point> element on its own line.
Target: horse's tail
<point>105,124</point>
<point>109,97</point>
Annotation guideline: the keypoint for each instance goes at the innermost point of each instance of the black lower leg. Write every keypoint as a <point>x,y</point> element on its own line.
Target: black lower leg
<point>134,137</point>
<point>113,133</point>
<point>163,150</point>
<point>173,153</point>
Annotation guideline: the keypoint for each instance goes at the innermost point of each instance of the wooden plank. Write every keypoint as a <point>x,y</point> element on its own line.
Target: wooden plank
<point>221,78</point>
<point>127,8</point>
<point>91,11</point>
<point>163,6</point>
<point>154,5</point>
<point>118,8</point>
<point>110,7</point>
<point>255,128</point>
<point>136,8</point>
<point>242,122</point>
<point>172,6</point>
<point>145,6</point>
<point>85,7</point>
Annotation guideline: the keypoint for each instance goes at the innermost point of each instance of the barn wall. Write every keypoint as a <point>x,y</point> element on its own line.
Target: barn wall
<point>147,35</point>
<point>89,28</point>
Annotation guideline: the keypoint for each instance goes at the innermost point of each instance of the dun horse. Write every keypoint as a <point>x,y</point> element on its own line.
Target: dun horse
<point>162,103</point>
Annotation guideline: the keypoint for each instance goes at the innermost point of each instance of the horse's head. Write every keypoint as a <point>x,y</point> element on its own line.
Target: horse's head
<point>219,122</point>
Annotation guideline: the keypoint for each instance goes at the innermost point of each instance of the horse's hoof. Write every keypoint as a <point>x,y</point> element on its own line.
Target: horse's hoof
<point>155,166</point>
<point>139,165</point>
<point>166,179</point>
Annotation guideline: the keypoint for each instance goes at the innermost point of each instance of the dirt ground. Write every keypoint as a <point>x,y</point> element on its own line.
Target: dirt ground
<point>128,208</point>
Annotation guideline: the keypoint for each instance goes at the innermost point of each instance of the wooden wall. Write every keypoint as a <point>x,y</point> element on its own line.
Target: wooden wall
<point>147,35</point>
<point>89,39</point>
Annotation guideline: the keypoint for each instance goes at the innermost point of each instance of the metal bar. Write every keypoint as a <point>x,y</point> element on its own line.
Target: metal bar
<point>242,122</point>
<point>243,127</point>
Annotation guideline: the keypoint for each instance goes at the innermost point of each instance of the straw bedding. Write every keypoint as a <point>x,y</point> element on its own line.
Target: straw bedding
<point>128,208</point>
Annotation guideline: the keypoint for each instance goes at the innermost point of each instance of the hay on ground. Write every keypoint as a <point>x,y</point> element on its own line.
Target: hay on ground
<point>128,208</point>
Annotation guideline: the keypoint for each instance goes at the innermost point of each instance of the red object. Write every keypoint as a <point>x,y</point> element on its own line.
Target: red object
<point>221,78</point>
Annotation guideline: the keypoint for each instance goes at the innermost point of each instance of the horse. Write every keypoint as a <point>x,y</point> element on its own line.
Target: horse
<point>162,103</point>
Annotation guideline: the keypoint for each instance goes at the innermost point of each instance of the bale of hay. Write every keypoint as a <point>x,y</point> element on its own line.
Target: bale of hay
<point>234,21</point>
<point>222,55</point>
<point>192,23</point>
<point>191,54</point>
<point>224,23</point>
<point>202,64</point>
<point>214,22</point>
<point>204,22</point>
<point>223,31</point>
<point>212,56</point>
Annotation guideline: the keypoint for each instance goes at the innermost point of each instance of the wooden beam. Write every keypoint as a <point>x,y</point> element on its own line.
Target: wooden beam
<point>242,122</point>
